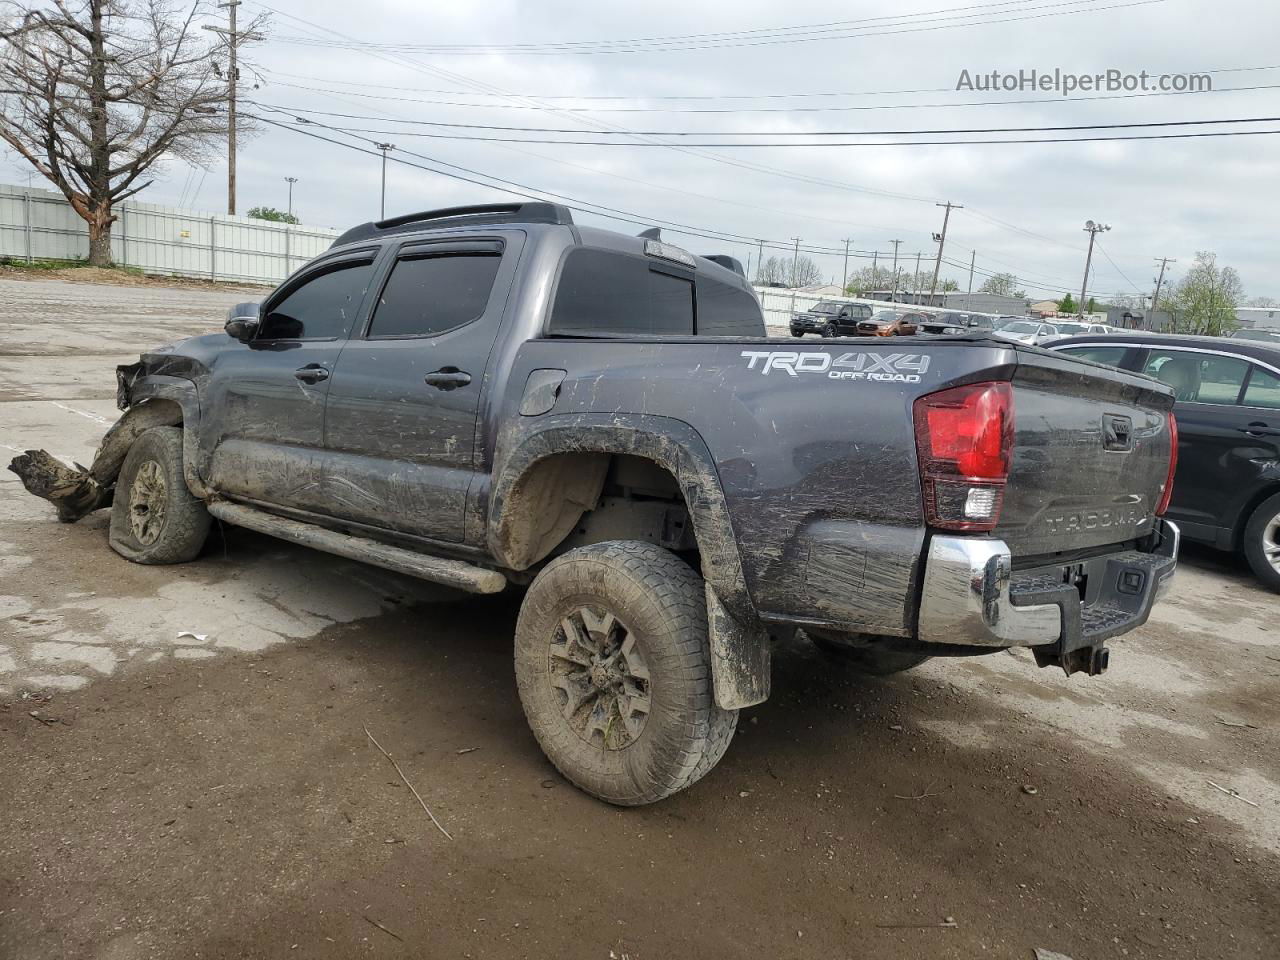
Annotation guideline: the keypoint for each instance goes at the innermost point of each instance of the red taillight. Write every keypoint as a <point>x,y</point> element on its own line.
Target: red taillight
<point>964,439</point>
<point>1167,493</point>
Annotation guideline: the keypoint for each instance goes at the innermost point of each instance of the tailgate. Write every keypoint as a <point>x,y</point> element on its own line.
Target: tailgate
<point>1090,456</point>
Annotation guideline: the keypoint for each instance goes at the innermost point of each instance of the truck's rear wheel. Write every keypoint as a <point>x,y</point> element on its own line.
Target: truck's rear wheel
<point>614,671</point>
<point>154,517</point>
<point>872,658</point>
<point>1262,542</point>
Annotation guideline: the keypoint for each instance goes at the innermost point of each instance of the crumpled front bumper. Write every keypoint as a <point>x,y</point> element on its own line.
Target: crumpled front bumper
<point>1065,612</point>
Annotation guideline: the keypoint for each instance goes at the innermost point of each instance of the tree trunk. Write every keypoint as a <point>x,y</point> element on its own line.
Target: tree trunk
<point>100,241</point>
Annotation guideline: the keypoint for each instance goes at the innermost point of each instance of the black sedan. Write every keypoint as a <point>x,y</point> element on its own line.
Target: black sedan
<point>1227,489</point>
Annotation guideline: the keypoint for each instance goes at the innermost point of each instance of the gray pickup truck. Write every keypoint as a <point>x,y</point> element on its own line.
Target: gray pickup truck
<point>495,396</point>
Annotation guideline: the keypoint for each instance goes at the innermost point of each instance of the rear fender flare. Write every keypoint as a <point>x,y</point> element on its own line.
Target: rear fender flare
<point>739,642</point>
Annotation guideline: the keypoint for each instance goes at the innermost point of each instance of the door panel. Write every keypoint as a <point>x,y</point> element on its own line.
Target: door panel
<point>1213,464</point>
<point>269,395</point>
<point>402,404</point>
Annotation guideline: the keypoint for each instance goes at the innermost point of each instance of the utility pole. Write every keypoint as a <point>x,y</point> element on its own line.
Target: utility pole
<point>915,279</point>
<point>1164,262</point>
<point>385,148</point>
<point>942,242</point>
<point>972,260</point>
<point>795,261</point>
<point>844,281</point>
<point>291,181</point>
<point>760,260</point>
<point>1093,229</point>
<point>233,37</point>
<point>893,297</point>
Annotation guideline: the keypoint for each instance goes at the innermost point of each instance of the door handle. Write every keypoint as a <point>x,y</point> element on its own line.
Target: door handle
<point>1259,429</point>
<point>447,378</point>
<point>311,373</point>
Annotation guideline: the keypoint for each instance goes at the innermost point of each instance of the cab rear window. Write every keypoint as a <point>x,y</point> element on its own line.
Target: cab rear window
<point>605,293</point>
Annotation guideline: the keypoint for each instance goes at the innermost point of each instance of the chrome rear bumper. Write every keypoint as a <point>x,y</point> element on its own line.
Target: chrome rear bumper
<point>971,596</point>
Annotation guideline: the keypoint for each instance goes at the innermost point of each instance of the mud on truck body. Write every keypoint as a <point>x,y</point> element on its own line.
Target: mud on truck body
<point>494,396</point>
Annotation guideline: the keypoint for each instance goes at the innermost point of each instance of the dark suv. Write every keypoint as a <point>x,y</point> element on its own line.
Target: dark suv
<point>1227,490</point>
<point>830,319</point>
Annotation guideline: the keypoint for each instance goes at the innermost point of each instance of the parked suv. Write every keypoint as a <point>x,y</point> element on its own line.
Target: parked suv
<point>496,395</point>
<point>1227,491</point>
<point>830,319</point>
<point>889,323</point>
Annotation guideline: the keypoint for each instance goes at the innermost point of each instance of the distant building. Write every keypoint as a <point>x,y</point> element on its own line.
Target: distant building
<point>1135,318</point>
<point>1259,318</point>
<point>1043,308</point>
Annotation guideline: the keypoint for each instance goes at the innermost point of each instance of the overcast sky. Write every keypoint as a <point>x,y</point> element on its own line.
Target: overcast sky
<point>1163,198</point>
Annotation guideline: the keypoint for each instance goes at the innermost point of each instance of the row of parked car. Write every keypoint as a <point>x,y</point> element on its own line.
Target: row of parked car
<point>831,318</point>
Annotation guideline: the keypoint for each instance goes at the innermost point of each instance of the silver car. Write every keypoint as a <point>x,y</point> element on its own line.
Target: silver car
<point>1033,332</point>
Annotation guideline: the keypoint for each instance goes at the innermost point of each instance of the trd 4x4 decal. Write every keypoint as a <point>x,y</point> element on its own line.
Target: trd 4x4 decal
<point>891,367</point>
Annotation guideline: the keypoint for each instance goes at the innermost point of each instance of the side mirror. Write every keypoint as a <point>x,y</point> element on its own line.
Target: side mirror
<point>242,321</point>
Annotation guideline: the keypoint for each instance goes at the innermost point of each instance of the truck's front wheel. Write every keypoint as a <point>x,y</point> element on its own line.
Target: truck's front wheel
<point>154,517</point>
<point>614,671</point>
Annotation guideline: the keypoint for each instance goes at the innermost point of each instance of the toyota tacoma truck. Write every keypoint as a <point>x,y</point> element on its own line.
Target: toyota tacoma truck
<point>496,397</point>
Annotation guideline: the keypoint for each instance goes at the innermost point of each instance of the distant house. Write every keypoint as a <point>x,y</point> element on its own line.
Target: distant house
<point>1043,308</point>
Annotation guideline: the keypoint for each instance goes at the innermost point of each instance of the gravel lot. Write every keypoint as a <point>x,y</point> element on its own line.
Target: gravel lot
<point>218,797</point>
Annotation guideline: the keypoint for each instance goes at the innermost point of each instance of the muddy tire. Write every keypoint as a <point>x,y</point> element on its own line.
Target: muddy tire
<point>872,659</point>
<point>1262,542</point>
<point>154,517</point>
<point>613,667</point>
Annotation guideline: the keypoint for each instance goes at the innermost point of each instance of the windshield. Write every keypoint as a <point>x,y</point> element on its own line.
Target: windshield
<point>1072,328</point>
<point>885,316</point>
<point>826,308</point>
<point>1021,326</point>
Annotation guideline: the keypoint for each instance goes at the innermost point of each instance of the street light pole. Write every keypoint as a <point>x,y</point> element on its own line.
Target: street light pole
<point>1093,229</point>
<point>385,148</point>
<point>291,181</point>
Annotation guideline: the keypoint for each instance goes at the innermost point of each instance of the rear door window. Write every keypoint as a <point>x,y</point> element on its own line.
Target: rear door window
<point>1263,389</point>
<point>606,293</point>
<point>429,295</point>
<point>1198,377</point>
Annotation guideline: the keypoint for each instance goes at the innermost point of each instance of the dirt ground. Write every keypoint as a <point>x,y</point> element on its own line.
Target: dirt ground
<point>216,795</point>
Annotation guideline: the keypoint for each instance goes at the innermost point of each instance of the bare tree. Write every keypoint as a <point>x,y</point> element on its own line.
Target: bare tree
<point>1264,302</point>
<point>1003,284</point>
<point>94,93</point>
<point>773,271</point>
<point>804,272</point>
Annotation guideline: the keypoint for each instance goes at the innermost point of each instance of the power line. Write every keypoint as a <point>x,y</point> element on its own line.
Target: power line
<point>823,144</point>
<point>690,96</point>
<point>892,132</point>
<point>788,109</point>
<point>905,26</point>
<point>808,28</point>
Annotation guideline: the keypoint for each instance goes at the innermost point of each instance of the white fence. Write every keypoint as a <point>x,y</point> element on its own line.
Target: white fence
<point>40,225</point>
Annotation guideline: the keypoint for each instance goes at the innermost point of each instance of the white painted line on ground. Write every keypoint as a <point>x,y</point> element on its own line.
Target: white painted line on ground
<point>83,413</point>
